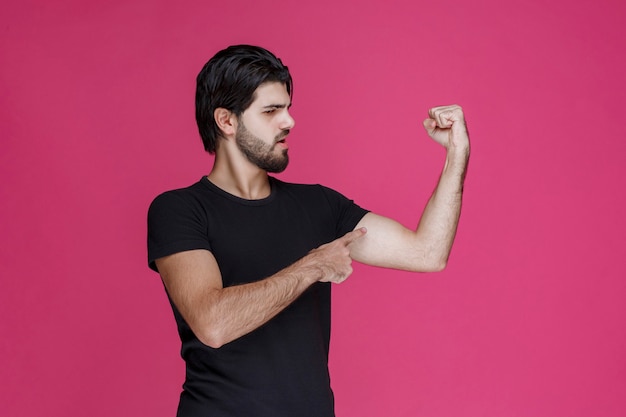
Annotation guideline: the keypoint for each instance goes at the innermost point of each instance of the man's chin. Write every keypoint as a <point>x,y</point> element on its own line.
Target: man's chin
<point>276,167</point>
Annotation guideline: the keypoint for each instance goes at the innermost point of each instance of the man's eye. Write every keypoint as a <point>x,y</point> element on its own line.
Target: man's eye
<point>269,111</point>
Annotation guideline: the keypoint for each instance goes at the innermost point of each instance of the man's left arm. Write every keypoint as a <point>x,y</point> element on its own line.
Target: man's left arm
<point>388,243</point>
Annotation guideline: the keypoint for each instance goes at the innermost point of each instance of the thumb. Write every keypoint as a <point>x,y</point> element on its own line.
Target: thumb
<point>430,125</point>
<point>353,235</point>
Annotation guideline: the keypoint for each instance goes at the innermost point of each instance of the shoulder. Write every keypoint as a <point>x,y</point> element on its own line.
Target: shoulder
<point>190,193</point>
<point>177,222</point>
<point>189,199</point>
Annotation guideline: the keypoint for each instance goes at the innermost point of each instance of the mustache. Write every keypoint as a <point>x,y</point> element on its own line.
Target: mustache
<point>282,135</point>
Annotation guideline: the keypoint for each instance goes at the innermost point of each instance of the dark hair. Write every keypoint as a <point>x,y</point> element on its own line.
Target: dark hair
<point>229,81</point>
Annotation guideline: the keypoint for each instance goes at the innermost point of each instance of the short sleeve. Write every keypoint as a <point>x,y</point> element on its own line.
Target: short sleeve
<point>346,212</point>
<point>176,223</point>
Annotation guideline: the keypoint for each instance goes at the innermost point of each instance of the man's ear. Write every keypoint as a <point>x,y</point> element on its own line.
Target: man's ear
<point>226,121</point>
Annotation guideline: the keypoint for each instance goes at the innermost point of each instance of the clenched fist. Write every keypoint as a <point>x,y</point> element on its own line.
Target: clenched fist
<point>446,126</point>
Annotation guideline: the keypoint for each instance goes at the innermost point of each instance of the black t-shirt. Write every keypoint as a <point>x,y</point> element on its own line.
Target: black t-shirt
<point>281,368</point>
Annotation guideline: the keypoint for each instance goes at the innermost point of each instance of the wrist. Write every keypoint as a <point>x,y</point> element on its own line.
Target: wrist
<point>458,155</point>
<point>307,271</point>
<point>456,162</point>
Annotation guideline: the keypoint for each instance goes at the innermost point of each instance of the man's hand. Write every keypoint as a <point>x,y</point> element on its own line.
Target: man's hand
<point>332,261</point>
<point>446,126</point>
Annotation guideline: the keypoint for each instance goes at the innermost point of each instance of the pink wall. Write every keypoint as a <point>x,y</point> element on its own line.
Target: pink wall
<point>96,118</point>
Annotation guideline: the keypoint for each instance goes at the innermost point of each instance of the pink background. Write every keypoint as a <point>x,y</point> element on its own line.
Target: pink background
<point>529,319</point>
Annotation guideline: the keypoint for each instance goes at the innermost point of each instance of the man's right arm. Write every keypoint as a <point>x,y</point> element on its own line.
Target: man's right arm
<point>219,315</point>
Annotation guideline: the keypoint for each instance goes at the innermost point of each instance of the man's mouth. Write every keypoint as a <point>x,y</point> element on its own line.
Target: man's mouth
<point>283,136</point>
<point>282,142</point>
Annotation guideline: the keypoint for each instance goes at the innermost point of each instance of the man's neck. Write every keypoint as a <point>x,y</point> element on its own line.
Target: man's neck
<point>240,178</point>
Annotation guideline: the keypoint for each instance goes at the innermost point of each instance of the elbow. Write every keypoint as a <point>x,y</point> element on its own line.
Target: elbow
<point>430,267</point>
<point>209,333</point>
<point>427,255</point>
<point>430,264</point>
<point>426,267</point>
<point>214,344</point>
<point>439,263</point>
<point>437,260</point>
<point>209,328</point>
<point>438,266</point>
<point>211,339</point>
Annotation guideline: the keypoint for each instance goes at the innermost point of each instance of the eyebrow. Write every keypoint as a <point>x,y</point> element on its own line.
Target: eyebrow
<point>276,106</point>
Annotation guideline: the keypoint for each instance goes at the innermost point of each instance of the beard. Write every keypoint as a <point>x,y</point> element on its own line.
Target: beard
<point>260,153</point>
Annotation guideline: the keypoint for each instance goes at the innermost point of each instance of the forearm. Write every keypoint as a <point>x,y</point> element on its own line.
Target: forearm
<point>232,312</point>
<point>438,224</point>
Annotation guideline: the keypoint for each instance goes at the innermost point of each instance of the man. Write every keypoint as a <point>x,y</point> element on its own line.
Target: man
<point>248,260</point>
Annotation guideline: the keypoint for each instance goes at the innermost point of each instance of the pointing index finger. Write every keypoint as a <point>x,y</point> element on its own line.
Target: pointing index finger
<point>353,235</point>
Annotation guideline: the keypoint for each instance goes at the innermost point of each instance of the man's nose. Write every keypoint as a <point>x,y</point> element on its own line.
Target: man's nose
<point>288,121</point>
